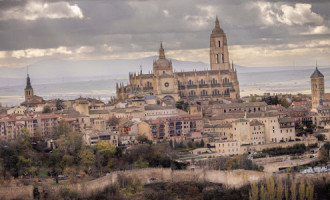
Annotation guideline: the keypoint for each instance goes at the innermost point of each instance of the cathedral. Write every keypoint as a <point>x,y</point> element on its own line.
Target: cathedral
<point>218,83</point>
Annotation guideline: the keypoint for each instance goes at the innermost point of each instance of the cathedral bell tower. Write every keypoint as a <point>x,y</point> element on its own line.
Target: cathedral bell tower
<point>317,86</point>
<point>28,91</point>
<point>219,57</point>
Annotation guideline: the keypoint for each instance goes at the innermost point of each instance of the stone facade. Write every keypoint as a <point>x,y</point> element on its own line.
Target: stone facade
<point>317,85</point>
<point>216,84</point>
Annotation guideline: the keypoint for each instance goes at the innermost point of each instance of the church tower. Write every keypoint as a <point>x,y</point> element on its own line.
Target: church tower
<point>28,91</point>
<point>317,86</point>
<point>219,57</point>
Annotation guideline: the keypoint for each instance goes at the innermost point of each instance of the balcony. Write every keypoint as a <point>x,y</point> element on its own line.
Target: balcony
<point>227,84</point>
<point>192,86</point>
<point>148,89</point>
<point>181,87</point>
<point>216,95</point>
<point>203,86</point>
<point>215,85</point>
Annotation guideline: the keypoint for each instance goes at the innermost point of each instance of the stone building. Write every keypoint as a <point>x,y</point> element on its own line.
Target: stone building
<point>218,83</point>
<point>179,127</point>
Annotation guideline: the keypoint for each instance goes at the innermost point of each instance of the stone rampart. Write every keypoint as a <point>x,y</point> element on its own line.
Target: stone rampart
<point>234,178</point>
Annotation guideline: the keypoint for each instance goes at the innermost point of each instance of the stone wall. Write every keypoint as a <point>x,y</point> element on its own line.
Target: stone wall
<point>24,192</point>
<point>234,178</point>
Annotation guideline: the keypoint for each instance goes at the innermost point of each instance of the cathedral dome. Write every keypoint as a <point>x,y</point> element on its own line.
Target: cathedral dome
<point>163,63</point>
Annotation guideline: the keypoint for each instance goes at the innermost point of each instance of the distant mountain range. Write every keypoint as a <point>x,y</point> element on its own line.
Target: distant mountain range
<point>67,79</point>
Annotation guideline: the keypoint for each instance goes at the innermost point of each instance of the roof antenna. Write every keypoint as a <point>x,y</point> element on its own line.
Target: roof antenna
<point>141,69</point>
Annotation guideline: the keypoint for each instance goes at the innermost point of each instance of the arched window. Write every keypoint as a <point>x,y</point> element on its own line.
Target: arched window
<point>227,91</point>
<point>190,82</point>
<point>219,44</point>
<point>202,82</point>
<point>225,80</point>
<point>203,93</point>
<point>217,58</point>
<point>214,81</point>
<point>192,93</point>
<point>222,58</point>
<point>215,92</point>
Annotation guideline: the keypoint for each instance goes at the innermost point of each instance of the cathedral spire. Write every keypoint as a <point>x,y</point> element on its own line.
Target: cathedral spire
<point>161,51</point>
<point>217,24</point>
<point>217,28</point>
<point>28,82</point>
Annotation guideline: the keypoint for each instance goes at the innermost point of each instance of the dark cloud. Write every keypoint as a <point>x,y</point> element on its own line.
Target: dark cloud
<point>139,26</point>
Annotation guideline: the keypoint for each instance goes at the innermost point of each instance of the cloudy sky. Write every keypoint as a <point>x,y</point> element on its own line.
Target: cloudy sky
<point>259,33</point>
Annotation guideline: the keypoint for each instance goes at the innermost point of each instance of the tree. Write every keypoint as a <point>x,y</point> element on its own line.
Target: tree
<point>263,193</point>
<point>253,99</point>
<point>46,109</point>
<point>63,128</point>
<point>323,155</point>
<point>285,103</point>
<point>87,157</point>
<point>293,191</point>
<point>302,191</point>
<point>182,105</point>
<point>310,191</point>
<point>202,144</point>
<point>141,163</point>
<point>113,121</point>
<point>254,193</point>
<point>143,139</point>
<point>286,192</point>
<point>70,172</point>
<point>104,153</point>
<point>270,185</point>
<point>320,137</point>
<point>70,143</point>
<point>59,104</point>
<point>279,190</point>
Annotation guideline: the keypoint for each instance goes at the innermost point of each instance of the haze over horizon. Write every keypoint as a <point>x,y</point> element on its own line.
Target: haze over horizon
<point>260,33</point>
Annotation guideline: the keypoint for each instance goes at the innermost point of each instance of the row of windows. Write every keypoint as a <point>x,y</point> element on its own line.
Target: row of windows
<point>256,138</point>
<point>203,93</point>
<point>219,57</point>
<point>233,150</point>
<point>233,144</point>
<point>203,82</point>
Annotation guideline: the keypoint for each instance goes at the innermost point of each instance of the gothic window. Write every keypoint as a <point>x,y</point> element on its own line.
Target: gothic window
<point>214,81</point>
<point>225,80</point>
<point>202,82</point>
<point>203,93</point>
<point>148,84</point>
<point>190,82</point>
<point>217,58</point>
<point>222,58</point>
<point>227,91</point>
<point>219,44</point>
<point>192,93</point>
<point>215,92</point>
